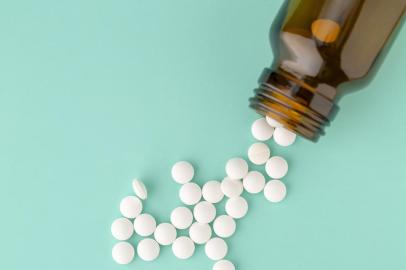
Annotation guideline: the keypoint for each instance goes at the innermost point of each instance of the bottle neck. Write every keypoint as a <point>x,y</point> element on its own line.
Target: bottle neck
<point>299,107</point>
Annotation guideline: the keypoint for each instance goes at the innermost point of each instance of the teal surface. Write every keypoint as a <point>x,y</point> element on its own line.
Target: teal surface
<point>95,93</point>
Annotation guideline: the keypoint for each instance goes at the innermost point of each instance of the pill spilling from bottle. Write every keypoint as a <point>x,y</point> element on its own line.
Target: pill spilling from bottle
<point>198,215</point>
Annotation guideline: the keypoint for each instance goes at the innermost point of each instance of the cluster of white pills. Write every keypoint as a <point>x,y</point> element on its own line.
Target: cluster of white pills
<point>198,215</point>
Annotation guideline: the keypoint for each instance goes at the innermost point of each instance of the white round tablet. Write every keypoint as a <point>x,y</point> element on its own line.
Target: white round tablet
<point>130,207</point>
<point>204,212</point>
<point>144,225</point>
<point>236,168</point>
<point>190,193</point>
<point>211,192</point>
<point>259,153</point>
<point>165,234</point>
<point>254,182</point>
<point>276,167</point>
<point>261,130</point>
<point>216,249</point>
<point>284,137</point>
<point>148,249</point>
<point>182,172</point>
<point>123,253</point>
<point>200,233</point>
<point>122,229</point>
<point>183,247</point>
<point>224,226</point>
<point>272,122</point>
<point>139,189</point>
<point>224,265</point>
<point>236,207</point>
<point>275,191</point>
<point>231,188</point>
<point>181,217</point>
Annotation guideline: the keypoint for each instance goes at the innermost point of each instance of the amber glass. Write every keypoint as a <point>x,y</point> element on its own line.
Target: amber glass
<point>320,46</point>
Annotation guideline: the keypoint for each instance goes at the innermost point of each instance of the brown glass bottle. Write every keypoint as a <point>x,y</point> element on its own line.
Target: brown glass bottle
<point>320,45</point>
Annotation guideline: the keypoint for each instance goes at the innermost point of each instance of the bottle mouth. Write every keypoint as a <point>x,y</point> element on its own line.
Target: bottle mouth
<point>297,108</point>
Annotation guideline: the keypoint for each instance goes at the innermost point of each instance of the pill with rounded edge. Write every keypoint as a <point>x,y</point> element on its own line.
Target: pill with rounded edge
<point>224,265</point>
<point>216,249</point>
<point>190,193</point>
<point>130,207</point>
<point>224,226</point>
<point>259,153</point>
<point>261,130</point>
<point>276,167</point>
<point>148,249</point>
<point>254,182</point>
<point>182,172</point>
<point>275,191</point>
<point>200,233</point>
<point>181,217</point>
<point>231,188</point>
<point>236,168</point>
<point>183,247</point>
<point>211,191</point>
<point>284,137</point>
<point>204,212</point>
<point>144,224</point>
<point>139,189</point>
<point>236,207</point>
<point>272,122</point>
<point>165,234</point>
<point>122,229</point>
<point>123,253</point>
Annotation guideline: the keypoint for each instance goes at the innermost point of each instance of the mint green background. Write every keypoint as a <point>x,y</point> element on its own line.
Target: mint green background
<point>95,93</point>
